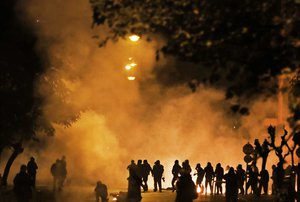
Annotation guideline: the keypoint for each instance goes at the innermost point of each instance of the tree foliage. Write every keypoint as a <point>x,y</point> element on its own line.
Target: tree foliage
<point>21,106</point>
<point>239,44</point>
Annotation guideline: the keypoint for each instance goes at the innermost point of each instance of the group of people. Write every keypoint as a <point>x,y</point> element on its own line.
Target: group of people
<point>24,181</point>
<point>184,186</point>
<point>138,177</point>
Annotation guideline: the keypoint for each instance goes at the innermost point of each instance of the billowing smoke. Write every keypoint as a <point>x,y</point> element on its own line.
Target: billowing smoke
<point>121,119</point>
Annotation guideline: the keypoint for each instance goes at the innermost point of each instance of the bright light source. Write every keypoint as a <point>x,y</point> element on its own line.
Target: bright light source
<point>131,78</point>
<point>134,38</point>
<point>133,64</point>
<point>115,199</point>
<point>198,189</point>
<point>128,67</point>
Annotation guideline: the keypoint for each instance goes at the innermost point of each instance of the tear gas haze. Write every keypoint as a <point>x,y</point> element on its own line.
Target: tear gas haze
<point>120,119</point>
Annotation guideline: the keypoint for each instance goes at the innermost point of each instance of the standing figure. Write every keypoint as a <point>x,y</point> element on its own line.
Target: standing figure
<point>186,190</point>
<point>146,170</point>
<point>274,179</point>
<point>231,186</point>
<point>175,172</point>
<point>263,182</point>
<point>31,169</point>
<point>253,180</point>
<point>22,185</point>
<point>158,171</point>
<point>241,175</point>
<point>209,174</point>
<point>186,167</point>
<point>63,171</point>
<point>134,184</point>
<point>219,173</point>
<point>101,192</point>
<point>139,171</point>
<point>54,173</point>
<point>200,175</point>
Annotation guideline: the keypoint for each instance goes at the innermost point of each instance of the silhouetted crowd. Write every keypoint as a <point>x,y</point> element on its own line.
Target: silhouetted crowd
<point>25,181</point>
<point>209,180</point>
<point>236,180</point>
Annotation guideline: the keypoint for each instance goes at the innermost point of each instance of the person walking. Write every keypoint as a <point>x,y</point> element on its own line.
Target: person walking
<point>146,170</point>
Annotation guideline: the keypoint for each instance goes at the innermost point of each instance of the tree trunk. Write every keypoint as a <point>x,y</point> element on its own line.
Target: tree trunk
<point>264,162</point>
<point>17,150</point>
<point>1,150</point>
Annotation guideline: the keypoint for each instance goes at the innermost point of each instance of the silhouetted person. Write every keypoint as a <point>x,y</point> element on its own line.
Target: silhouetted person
<point>186,167</point>
<point>101,192</point>
<point>209,175</point>
<point>219,173</point>
<point>200,175</point>
<point>186,190</point>
<point>241,174</point>
<point>139,171</point>
<point>264,182</point>
<point>54,174</point>
<point>132,168</point>
<point>22,185</point>
<point>59,172</point>
<point>31,169</point>
<point>146,170</point>
<point>253,180</point>
<point>274,179</point>
<point>231,186</point>
<point>175,172</point>
<point>63,171</point>
<point>134,183</point>
<point>158,171</point>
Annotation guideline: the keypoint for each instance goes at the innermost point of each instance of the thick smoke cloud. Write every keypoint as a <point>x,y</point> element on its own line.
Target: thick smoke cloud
<point>124,120</point>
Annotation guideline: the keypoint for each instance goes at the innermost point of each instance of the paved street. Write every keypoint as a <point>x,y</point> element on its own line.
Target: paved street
<point>86,194</point>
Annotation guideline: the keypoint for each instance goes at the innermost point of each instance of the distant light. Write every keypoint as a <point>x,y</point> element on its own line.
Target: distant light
<point>130,58</point>
<point>209,43</point>
<point>131,78</point>
<point>37,20</point>
<point>115,199</point>
<point>128,67</point>
<point>134,38</point>
<point>133,64</point>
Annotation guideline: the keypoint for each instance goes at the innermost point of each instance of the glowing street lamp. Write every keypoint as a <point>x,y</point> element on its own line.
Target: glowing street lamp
<point>134,38</point>
<point>130,66</point>
<point>131,78</point>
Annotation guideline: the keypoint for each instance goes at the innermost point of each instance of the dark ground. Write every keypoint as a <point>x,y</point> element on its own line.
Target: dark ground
<point>85,194</point>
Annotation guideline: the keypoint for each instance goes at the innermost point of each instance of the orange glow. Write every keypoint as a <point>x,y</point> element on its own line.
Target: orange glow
<point>134,38</point>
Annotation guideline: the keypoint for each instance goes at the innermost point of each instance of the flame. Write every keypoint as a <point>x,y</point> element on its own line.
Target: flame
<point>198,189</point>
<point>134,38</point>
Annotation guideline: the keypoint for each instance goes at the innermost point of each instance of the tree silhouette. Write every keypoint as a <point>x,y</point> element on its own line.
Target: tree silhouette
<point>21,106</point>
<point>241,45</point>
